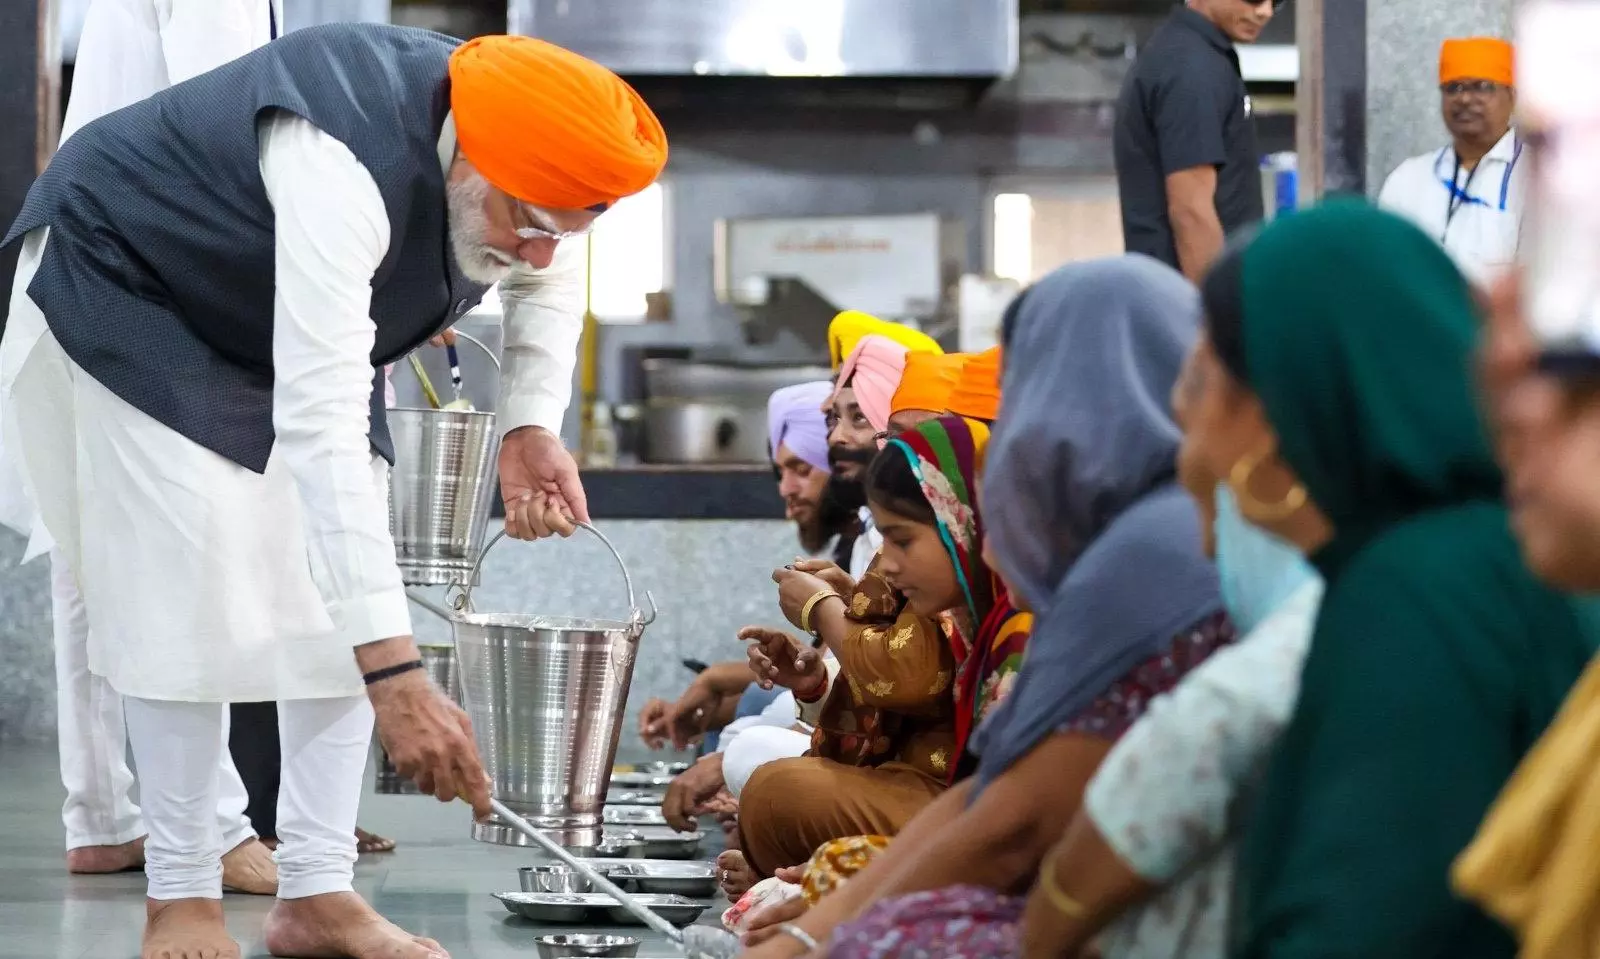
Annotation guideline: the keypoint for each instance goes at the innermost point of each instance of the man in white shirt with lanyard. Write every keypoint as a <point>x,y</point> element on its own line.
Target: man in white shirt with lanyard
<point>129,50</point>
<point>210,282</point>
<point>1469,195</point>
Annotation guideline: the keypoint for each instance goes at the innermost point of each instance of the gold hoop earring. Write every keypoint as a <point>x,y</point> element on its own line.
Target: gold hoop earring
<point>1239,480</point>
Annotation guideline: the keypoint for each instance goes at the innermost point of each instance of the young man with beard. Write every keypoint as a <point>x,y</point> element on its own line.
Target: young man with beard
<point>764,727</point>
<point>798,435</point>
<point>798,438</point>
<point>209,279</point>
<point>1468,195</point>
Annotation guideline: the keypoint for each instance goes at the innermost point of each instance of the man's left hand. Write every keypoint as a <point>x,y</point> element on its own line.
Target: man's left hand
<point>690,791</point>
<point>539,485</point>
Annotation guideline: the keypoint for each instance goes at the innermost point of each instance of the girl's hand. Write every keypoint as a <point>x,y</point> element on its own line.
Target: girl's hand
<point>829,573</point>
<point>795,589</point>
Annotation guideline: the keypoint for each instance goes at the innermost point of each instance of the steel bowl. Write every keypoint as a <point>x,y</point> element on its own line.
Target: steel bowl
<point>557,878</point>
<point>586,944</point>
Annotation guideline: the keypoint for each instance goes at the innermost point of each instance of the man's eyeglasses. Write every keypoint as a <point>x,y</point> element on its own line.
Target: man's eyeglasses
<point>533,223</point>
<point>1457,88</point>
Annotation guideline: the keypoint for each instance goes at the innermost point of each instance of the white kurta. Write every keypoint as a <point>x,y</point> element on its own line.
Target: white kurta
<point>866,545</point>
<point>1479,219</point>
<point>204,581</point>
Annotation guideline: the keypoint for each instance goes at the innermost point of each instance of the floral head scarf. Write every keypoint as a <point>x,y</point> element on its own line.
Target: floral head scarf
<point>990,635</point>
<point>946,455</point>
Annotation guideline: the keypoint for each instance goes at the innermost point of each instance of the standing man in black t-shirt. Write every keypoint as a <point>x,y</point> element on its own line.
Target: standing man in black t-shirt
<point>1187,167</point>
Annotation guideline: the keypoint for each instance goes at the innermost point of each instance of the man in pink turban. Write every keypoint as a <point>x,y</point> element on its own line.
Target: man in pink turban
<point>872,372</point>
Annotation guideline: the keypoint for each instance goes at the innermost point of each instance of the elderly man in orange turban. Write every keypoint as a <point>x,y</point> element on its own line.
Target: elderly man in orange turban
<point>208,282</point>
<point>1468,195</point>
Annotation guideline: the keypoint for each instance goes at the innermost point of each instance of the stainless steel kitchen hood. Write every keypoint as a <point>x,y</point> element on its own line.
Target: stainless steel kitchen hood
<point>839,53</point>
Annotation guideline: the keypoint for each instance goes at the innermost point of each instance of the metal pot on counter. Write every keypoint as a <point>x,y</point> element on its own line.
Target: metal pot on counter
<point>705,412</point>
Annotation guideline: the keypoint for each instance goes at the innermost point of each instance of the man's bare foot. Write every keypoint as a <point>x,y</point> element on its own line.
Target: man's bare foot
<point>98,860</point>
<point>186,929</point>
<point>341,925</point>
<point>371,842</point>
<point>248,868</point>
<point>734,874</point>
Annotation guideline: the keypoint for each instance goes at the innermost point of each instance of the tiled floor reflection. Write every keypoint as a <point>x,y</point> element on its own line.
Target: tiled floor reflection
<point>437,883</point>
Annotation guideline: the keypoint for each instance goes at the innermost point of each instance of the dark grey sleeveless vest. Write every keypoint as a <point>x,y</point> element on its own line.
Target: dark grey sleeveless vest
<point>158,277</point>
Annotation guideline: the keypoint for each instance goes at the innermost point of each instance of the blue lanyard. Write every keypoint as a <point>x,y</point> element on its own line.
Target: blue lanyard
<point>1458,195</point>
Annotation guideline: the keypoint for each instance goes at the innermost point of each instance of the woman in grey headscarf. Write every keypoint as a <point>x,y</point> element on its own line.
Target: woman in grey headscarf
<point>1091,532</point>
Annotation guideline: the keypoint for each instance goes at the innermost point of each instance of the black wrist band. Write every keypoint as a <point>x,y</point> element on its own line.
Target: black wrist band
<point>389,672</point>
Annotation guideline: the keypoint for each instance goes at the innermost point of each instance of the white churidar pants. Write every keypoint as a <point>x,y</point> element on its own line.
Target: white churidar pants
<point>756,746</point>
<point>324,755</point>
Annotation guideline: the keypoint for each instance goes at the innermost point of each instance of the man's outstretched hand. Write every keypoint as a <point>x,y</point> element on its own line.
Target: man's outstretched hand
<point>539,485</point>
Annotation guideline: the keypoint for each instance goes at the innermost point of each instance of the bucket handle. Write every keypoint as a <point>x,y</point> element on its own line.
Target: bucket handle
<point>636,616</point>
<point>480,345</point>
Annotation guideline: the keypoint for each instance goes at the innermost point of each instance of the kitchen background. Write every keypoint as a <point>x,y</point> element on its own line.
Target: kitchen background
<point>920,159</point>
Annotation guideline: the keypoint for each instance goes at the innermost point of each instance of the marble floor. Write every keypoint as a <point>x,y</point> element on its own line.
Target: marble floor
<point>438,883</point>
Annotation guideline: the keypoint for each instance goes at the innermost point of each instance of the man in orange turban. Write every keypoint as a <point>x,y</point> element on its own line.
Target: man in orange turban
<point>977,390</point>
<point>1469,195</point>
<point>308,212</point>
<point>926,386</point>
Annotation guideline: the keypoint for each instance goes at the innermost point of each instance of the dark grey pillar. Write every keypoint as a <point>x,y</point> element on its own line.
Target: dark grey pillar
<point>30,104</point>
<point>1331,128</point>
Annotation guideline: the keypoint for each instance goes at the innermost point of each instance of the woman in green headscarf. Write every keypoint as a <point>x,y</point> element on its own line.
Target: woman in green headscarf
<point>1437,658</point>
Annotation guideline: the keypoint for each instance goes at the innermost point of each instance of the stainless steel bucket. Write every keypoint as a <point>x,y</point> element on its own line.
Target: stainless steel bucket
<point>439,661</point>
<point>546,697</point>
<point>441,489</point>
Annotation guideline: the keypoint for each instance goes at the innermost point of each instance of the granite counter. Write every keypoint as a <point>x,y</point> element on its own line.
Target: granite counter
<point>704,541</point>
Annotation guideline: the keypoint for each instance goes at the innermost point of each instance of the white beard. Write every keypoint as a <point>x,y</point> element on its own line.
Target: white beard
<point>469,224</point>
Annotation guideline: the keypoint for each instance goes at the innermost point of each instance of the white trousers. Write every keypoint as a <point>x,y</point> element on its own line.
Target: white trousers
<point>93,740</point>
<point>177,747</point>
<point>755,747</point>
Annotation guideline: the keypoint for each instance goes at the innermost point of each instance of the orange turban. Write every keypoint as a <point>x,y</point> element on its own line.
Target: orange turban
<point>1476,58</point>
<point>551,128</point>
<point>927,382</point>
<point>977,392</point>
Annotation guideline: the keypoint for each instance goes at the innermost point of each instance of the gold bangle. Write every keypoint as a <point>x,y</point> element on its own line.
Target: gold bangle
<point>811,605</point>
<point>1064,904</point>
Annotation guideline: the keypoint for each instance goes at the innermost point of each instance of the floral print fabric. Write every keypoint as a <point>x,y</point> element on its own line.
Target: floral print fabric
<point>960,922</point>
<point>1167,798</point>
<point>1114,711</point>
